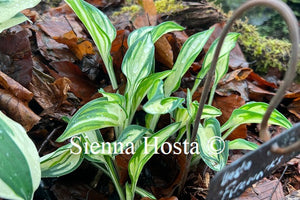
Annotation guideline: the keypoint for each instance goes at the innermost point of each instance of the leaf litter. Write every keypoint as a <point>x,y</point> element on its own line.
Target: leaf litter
<point>49,64</point>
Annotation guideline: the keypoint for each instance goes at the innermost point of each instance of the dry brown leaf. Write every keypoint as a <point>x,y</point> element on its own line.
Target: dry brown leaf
<point>15,55</point>
<point>14,100</point>
<point>118,50</point>
<point>149,15</point>
<point>169,198</point>
<point>258,94</point>
<point>227,105</point>
<point>263,190</point>
<point>166,177</point>
<point>239,75</point>
<point>80,85</point>
<point>294,108</point>
<point>51,96</point>
<point>78,46</point>
<point>163,52</point>
<point>15,88</point>
<point>260,82</point>
<point>52,50</point>
<point>176,40</point>
<point>122,161</point>
<point>18,110</point>
<point>232,87</point>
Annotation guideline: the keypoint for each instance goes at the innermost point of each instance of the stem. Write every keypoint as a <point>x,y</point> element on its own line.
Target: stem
<point>154,121</point>
<point>114,176</point>
<point>212,94</point>
<point>110,70</point>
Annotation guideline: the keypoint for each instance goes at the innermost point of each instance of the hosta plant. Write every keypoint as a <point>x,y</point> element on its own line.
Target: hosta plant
<point>143,83</point>
<point>20,172</point>
<point>10,12</point>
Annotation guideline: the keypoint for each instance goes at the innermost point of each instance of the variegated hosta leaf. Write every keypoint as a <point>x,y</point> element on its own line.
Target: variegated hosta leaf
<point>94,137</point>
<point>146,150</point>
<point>188,53</point>
<point>144,88</point>
<point>184,116</point>
<point>17,19</point>
<point>101,30</point>
<point>64,160</point>
<point>213,150</point>
<point>164,28</point>
<point>160,105</point>
<point>120,99</point>
<point>156,31</point>
<point>222,66</point>
<point>131,134</point>
<point>242,144</point>
<point>138,33</point>
<point>137,63</point>
<point>253,112</point>
<point>96,114</point>
<point>10,8</point>
<point>128,138</point>
<point>20,172</point>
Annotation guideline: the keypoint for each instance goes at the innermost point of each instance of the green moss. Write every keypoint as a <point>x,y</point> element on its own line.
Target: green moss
<point>133,9</point>
<point>265,52</point>
<point>168,6</point>
<point>162,6</point>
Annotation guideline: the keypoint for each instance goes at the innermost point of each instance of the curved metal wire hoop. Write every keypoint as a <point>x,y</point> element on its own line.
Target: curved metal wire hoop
<point>290,74</point>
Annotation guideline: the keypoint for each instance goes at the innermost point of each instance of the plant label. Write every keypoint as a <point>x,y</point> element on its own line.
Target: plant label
<point>234,179</point>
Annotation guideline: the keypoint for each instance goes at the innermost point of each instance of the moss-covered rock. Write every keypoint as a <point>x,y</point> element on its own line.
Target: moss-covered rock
<point>264,52</point>
<point>162,6</point>
<point>168,6</point>
<point>132,10</point>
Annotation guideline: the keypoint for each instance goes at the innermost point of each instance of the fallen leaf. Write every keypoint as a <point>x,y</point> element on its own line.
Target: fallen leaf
<point>148,17</point>
<point>31,14</point>
<point>118,49</point>
<point>295,195</point>
<point>75,189</point>
<point>238,74</point>
<point>52,96</point>
<point>122,161</point>
<point>294,108</point>
<point>263,190</point>
<point>260,82</point>
<point>64,9</point>
<point>17,110</point>
<point>227,105</point>
<point>258,94</point>
<point>163,52</point>
<point>169,198</point>
<point>105,3</point>
<point>232,87</point>
<point>52,50</point>
<point>166,172</point>
<point>80,85</point>
<point>176,40</point>
<point>15,55</point>
<point>78,46</point>
<point>15,88</point>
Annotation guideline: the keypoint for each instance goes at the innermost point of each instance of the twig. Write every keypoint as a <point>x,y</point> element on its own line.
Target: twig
<point>48,138</point>
<point>278,182</point>
<point>292,23</point>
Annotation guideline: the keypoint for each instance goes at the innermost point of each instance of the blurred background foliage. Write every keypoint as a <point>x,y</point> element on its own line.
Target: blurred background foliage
<point>267,20</point>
